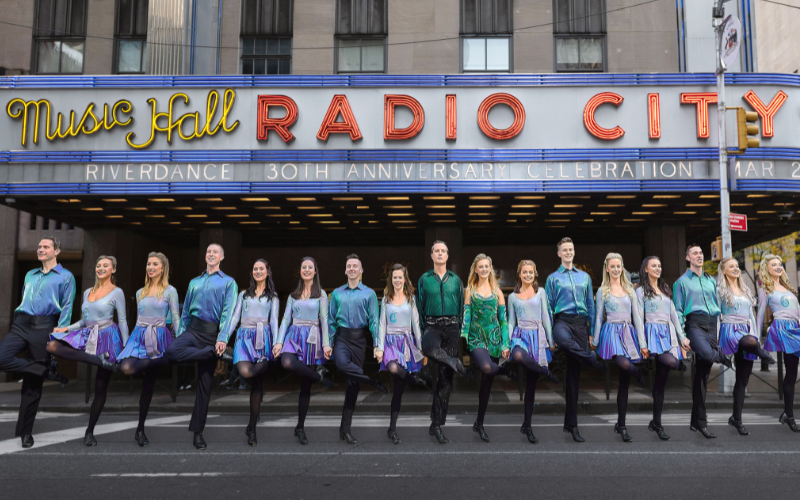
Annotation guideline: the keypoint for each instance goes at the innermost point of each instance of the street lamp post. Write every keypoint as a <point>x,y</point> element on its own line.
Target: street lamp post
<point>724,195</point>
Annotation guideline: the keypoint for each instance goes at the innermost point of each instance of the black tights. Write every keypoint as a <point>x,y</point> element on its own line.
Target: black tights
<point>489,369</point>
<point>744,367</point>
<point>401,376</point>
<point>255,372</point>
<point>664,363</point>
<point>790,363</point>
<point>290,362</point>
<point>134,366</point>
<point>626,369</point>
<point>530,396</point>
<point>521,356</point>
<point>66,351</point>
<point>100,393</point>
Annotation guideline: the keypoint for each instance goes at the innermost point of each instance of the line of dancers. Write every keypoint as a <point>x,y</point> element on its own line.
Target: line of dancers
<point>619,324</point>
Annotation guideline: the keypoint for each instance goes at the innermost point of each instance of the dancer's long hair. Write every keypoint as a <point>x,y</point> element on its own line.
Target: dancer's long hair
<point>316,288</point>
<point>408,288</point>
<point>535,284</point>
<point>724,289</point>
<point>113,271</point>
<point>623,278</point>
<point>767,283</point>
<point>644,280</point>
<point>163,281</point>
<point>473,280</point>
<point>269,286</point>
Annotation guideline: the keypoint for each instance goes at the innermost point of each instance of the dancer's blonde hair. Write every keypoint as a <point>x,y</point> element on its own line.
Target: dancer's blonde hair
<point>472,281</point>
<point>113,270</point>
<point>767,283</point>
<point>724,289</point>
<point>623,278</point>
<point>163,281</point>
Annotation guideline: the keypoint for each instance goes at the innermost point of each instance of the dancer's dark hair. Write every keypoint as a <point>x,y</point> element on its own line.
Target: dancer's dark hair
<point>316,288</point>
<point>269,286</point>
<point>644,280</point>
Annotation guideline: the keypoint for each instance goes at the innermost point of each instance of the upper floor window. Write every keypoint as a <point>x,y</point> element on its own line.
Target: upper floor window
<point>486,36</point>
<point>361,29</point>
<point>580,35</point>
<point>59,36</point>
<point>131,36</point>
<point>267,37</point>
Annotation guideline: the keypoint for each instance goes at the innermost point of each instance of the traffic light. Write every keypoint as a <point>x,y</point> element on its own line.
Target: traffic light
<point>748,129</point>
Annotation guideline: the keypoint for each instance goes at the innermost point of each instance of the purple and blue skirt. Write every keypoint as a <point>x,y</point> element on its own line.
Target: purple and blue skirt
<point>136,347</point>
<point>297,342</point>
<point>783,336</point>
<point>400,348</point>
<point>659,339</point>
<point>729,336</point>
<point>612,341</point>
<point>109,340</point>
<point>528,340</point>
<point>245,349</point>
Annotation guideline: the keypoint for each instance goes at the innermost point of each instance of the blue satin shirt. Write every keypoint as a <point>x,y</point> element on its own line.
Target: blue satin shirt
<point>211,297</point>
<point>49,294</point>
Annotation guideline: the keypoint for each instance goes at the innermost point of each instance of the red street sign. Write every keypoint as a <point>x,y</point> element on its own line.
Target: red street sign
<point>738,222</point>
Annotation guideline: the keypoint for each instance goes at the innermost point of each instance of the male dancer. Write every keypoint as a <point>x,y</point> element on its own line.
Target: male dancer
<point>47,297</point>
<point>207,312</point>
<point>569,293</point>
<point>440,300</point>
<point>695,297</point>
<point>353,314</point>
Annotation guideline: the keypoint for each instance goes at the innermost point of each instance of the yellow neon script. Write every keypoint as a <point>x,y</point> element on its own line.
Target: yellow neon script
<point>177,124</point>
<point>19,108</point>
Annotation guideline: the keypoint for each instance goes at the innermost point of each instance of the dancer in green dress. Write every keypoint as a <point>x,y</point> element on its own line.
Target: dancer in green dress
<point>486,330</point>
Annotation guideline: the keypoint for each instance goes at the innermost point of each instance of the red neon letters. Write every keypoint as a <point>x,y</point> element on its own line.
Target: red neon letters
<point>607,134</point>
<point>450,117</point>
<point>390,102</point>
<point>767,113</point>
<point>496,133</point>
<point>702,100</point>
<point>279,125</point>
<point>348,125</point>
<point>654,115</point>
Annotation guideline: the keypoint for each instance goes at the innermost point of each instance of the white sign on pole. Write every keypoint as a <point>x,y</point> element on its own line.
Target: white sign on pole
<point>731,40</point>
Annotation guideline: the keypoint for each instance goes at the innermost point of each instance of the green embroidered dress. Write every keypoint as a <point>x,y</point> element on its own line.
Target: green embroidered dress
<point>485,325</point>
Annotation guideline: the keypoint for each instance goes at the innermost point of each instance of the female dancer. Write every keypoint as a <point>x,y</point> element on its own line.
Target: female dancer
<point>303,338</point>
<point>96,339</point>
<point>399,340</point>
<point>257,308</point>
<point>738,334</point>
<point>486,330</point>
<point>663,331</point>
<point>144,351</point>
<point>614,340</point>
<point>531,335</point>
<point>777,293</point>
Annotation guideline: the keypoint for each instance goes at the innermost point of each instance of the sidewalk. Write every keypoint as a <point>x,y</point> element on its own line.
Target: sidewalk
<point>281,396</point>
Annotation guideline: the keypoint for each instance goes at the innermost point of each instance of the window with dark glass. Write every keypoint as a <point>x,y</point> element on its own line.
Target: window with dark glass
<point>361,29</point>
<point>131,36</point>
<point>486,33</point>
<point>267,37</point>
<point>59,36</point>
<point>580,35</point>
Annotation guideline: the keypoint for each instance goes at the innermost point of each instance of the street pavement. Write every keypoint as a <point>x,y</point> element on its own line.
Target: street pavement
<point>765,464</point>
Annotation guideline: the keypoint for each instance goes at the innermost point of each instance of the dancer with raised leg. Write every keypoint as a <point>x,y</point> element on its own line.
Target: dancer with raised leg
<point>205,322</point>
<point>353,317</point>
<point>663,331</point>
<point>570,296</point>
<point>96,339</point>
<point>620,332</point>
<point>399,340</point>
<point>47,297</point>
<point>257,310</point>
<point>486,331</point>
<point>531,336</point>
<point>144,351</point>
<point>738,334</point>
<point>695,298</point>
<point>303,339</point>
<point>440,300</point>
<point>776,292</point>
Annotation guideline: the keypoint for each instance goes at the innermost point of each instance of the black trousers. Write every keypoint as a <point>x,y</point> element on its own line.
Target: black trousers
<point>702,333</point>
<point>28,334</point>
<point>440,342</point>
<point>348,354</point>
<point>197,343</point>
<point>571,333</point>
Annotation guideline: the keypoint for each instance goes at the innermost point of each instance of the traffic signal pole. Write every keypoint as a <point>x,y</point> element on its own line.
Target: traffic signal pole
<point>724,194</point>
